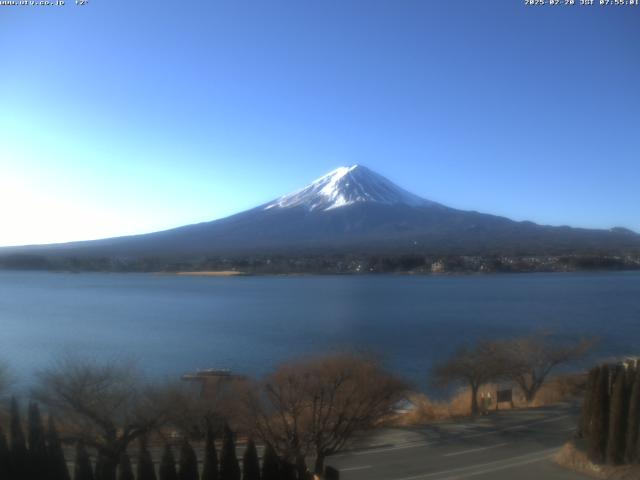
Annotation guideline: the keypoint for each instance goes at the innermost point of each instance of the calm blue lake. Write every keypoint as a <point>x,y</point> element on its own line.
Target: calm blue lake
<point>173,324</point>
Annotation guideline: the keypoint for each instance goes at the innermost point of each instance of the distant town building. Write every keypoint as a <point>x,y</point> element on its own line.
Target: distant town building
<point>438,267</point>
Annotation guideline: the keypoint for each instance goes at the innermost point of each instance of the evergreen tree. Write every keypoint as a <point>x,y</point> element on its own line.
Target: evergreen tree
<point>617,419</point>
<point>18,446</point>
<point>302,471</point>
<point>270,464</point>
<point>57,464</point>
<point>210,467</point>
<point>5,456</point>
<point>125,471</point>
<point>587,405</point>
<point>633,421</point>
<point>106,466</point>
<point>288,471</point>
<point>597,440</point>
<point>168,465</point>
<point>229,466</point>
<point>82,469</point>
<point>188,462</point>
<point>145,470</point>
<point>37,443</point>
<point>99,472</point>
<point>630,376</point>
<point>250,462</point>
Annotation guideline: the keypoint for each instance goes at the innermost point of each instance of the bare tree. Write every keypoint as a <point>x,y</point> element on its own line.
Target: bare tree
<point>314,407</point>
<point>473,366</point>
<point>531,359</point>
<point>193,413</point>
<point>187,412</point>
<point>104,406</point>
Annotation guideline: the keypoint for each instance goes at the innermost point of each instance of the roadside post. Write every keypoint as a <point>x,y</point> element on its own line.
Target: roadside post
<point>504,396</point>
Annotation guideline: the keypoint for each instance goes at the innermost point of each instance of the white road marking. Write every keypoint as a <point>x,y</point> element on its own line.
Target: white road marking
<point>388,449</point>
<point>461,472</point>
<point>405,446</point>
<point>352,469</point>
<point>500,467</point>
<point>472,450</point>
<point>516,427</point>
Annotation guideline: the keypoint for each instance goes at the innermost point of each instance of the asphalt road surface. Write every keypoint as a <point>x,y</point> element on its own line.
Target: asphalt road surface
<point>506,445</point>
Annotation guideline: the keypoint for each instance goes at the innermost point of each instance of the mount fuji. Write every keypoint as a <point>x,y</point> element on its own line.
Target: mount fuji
<point>347,186</point>
<point>350,210</point>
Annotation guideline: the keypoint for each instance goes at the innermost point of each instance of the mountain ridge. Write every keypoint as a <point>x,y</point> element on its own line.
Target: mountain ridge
<point>350,209</point>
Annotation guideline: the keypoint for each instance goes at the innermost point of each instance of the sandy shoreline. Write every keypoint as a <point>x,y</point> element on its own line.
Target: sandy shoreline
<point>220,273</point>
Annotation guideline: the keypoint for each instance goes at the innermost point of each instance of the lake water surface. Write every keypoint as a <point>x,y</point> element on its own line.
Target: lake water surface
<point>175,324</point>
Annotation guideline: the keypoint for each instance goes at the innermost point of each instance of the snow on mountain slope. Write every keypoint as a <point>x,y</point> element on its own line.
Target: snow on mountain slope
<point>346,186</point>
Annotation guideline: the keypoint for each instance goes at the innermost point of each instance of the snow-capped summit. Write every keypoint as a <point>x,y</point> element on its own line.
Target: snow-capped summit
<point>346,186</point>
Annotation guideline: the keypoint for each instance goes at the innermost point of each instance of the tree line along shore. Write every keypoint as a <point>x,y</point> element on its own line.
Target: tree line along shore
<point>332,263</point>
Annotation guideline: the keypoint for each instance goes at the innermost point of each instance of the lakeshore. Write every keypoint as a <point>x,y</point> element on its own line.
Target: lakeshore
<point>221,273</point>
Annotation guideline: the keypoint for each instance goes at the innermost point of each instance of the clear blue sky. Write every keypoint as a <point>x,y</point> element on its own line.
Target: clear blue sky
<point>122,117</point>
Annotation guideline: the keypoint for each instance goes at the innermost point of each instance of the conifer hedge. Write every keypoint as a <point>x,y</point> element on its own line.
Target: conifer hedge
<point>40,455</point>
<point>610,419</point>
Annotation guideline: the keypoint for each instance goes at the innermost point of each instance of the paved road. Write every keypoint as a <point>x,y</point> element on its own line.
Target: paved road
<point>505,445</point>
